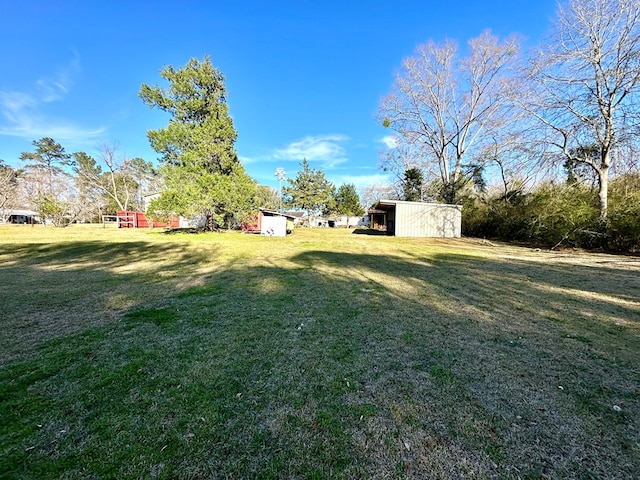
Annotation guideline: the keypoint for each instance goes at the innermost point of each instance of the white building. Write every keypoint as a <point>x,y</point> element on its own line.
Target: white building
<point>417,219</point>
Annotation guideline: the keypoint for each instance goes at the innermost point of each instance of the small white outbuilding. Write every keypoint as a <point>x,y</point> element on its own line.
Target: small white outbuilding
<point>416,219</point>
<point>275,224</point>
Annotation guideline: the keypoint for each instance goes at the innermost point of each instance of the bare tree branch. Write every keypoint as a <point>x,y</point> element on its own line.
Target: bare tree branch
<point>586,81</point>
<point>443,106</point>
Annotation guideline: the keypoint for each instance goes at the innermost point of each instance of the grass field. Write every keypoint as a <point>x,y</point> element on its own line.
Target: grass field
<point>326,354</point>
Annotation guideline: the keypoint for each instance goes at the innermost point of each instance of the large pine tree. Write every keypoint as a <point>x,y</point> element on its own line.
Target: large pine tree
<point>199,164</point>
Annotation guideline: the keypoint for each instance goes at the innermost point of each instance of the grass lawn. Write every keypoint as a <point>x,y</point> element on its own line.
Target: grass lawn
<point>144,354</point>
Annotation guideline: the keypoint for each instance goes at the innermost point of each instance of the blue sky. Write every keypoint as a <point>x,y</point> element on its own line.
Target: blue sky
<point>304,78</point>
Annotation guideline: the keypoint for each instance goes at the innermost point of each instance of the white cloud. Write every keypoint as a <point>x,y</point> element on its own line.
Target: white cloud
<point>13,104</point>
<point>56,86</point>
<point>23,119</point>
<point>23,115</point>
<point>327,149</point>
<point>390,141</point>
<point>361,181</point>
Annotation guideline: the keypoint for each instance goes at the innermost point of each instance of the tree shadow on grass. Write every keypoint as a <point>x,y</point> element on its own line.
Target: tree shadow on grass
<point>79,253</point>
<point>369,231</point>
<point>64,288</point>
<point>184,230</point>
<point>529,339</point>
<point>343,366</point>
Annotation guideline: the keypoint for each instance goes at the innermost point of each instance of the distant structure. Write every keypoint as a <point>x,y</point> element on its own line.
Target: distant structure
<point>416,219</point>
<point>271,223</point>
<point>135,219</point>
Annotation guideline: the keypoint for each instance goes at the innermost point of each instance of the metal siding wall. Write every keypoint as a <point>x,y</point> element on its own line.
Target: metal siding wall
<point>411,220</point>
<point>428,220</point>
<point>400,221</point>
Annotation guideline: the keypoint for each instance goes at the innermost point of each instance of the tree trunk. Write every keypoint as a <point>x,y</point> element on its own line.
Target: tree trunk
<point>208,223</point>
<point>603,191</point>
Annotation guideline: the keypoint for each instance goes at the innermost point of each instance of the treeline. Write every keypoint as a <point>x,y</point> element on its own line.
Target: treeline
<point>558,215</point>
<point>557,126</point>
<point>63,187</point>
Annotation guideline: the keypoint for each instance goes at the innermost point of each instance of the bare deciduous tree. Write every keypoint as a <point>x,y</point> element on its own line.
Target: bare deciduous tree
<point>9,192</point>
<point>399,160</point>
<point>443,104</point>
<point>370,194</point>
<point>585,84</point>
<point>511,157</point>
<point>122,179</point>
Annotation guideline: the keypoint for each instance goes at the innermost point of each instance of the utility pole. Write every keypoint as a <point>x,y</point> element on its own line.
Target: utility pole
<point>280,175</point>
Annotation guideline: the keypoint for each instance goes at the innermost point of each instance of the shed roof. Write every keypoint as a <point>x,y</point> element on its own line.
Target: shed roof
<point>389,204</point>
<point>295,214</point>
<point>24,212</point>
<point>273,213</point>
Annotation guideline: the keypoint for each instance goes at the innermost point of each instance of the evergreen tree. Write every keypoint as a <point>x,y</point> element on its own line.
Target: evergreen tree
<point>48,159</point>
<point>199,164</point>
<point>50,191</point>
<point>310,190</point>
<point>412,184</point>
<point>347,201</point>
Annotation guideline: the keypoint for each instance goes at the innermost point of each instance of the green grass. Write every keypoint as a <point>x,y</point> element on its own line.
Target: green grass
<point>137,354</point>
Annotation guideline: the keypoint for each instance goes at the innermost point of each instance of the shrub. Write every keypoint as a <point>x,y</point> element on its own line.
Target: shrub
<point>624,214</point>
<point>564,214</point>
<point>551,215</point>
<point>560,214</point>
